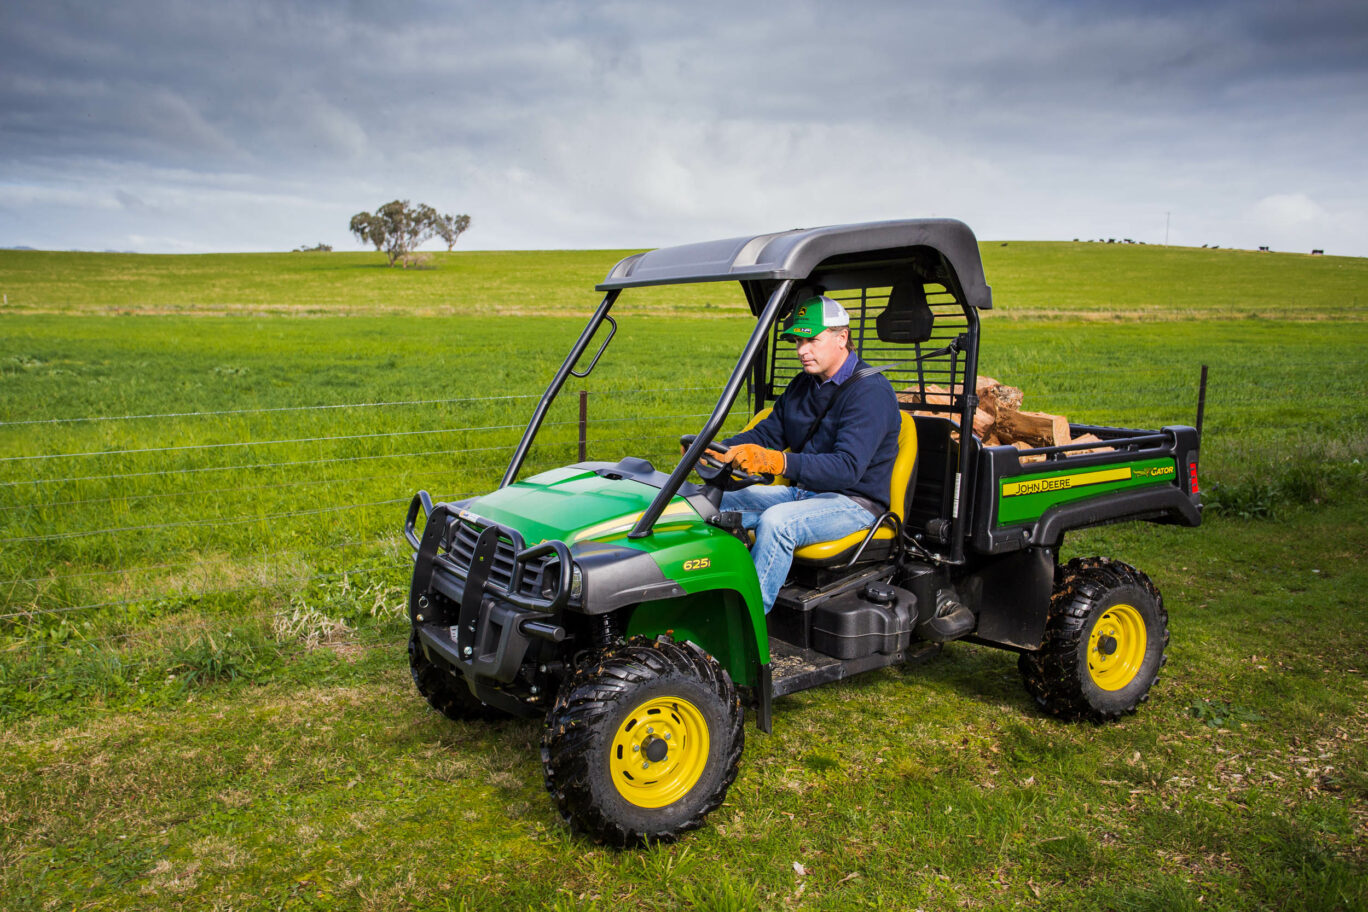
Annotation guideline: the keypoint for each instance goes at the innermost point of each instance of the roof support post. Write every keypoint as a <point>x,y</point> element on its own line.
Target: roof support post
<point>963,507</point>
<point>557,382</point>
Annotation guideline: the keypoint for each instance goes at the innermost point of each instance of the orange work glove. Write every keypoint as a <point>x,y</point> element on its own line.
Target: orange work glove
<point>756,460</point>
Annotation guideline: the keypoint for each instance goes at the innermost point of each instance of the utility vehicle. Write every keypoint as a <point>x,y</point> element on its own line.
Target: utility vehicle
<point>616,601</point>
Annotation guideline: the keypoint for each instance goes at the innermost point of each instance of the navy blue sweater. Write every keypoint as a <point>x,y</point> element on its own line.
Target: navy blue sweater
<point>853,450</point>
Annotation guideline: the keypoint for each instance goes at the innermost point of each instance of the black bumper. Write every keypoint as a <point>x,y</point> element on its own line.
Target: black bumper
<point>471,610</point>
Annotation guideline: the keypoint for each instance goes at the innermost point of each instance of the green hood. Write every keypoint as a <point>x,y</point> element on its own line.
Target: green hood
<point>574,504</point>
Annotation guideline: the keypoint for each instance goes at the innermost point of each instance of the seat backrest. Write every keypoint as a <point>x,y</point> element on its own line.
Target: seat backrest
<point>904,466</point>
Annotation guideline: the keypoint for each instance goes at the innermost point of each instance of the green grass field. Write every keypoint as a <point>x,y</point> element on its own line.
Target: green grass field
<point>204,462</point>
<point>1030,279</point>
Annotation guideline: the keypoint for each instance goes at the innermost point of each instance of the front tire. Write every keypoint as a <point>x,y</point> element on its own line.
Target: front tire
<point>643,742</point>
<point>444,691</point>
<point>1105,642</point>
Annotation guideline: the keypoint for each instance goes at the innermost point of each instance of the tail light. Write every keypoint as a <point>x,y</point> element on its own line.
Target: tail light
<point>1192,477</point>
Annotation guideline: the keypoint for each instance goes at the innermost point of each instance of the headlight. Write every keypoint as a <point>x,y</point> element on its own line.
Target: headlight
<point>576,582</point>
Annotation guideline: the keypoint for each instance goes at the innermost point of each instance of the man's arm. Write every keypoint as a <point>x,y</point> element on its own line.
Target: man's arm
<point>864,420</point>
<point>769,432</point>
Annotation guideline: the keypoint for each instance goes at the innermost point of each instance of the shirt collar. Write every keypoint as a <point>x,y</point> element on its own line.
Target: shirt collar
<point>844,371</point>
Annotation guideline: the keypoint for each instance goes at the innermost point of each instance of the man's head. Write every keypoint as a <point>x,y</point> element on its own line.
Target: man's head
<point>821,329</point>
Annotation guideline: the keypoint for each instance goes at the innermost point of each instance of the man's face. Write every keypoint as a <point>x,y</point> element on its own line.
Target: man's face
<point>824,353</point>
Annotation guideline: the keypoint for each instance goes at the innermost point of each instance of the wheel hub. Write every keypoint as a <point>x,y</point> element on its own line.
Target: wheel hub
<point>659,752</point>
<point>1116,647</point>
<point>655,749</point>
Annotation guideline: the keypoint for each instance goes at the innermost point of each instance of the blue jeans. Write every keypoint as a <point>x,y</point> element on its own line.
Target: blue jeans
<point>785,518</point>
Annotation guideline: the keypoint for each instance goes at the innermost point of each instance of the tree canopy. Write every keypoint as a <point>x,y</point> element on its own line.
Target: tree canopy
<point>398,228</point>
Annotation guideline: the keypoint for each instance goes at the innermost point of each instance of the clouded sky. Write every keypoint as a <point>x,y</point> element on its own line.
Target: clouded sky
<point>168,126</point>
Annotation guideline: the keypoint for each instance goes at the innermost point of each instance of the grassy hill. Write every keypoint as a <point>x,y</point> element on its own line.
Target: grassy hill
<point>203,694</point>
<point>1029,279</point>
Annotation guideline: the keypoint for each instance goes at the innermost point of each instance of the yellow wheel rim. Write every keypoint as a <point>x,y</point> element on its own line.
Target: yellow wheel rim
<point>659,752</point>
<point>1116,647</point>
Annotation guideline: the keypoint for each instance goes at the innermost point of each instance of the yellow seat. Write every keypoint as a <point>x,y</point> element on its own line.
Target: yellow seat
<point>828,552</point>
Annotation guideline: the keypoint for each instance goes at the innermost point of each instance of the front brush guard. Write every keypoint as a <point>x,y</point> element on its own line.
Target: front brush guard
<point>495,624</point>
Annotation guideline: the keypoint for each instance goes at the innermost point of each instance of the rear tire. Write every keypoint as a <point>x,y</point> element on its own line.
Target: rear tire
<point>1105,642</point>
<point>444,691</point>
<point>643,742</point>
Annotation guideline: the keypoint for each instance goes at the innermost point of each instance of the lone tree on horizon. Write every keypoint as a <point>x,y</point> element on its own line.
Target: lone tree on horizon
<point>450,227</point>
<point>398,228</point>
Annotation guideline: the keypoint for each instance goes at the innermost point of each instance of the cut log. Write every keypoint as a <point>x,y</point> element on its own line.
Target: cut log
<point>983,423</point>
<point>1034,428</point>
<point>983,388</point>
<point>1088,438</point>
<point>999,399</point>
<point>1026,446</point>
<point>935,395</point>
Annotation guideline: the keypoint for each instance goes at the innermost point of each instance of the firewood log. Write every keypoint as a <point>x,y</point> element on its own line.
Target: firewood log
<point>983,423</point>
<point>1035,428</point>
<point>1002,399</point>
<point>1087,438</point>
<point>935,395</point>
<point>1026,446</point>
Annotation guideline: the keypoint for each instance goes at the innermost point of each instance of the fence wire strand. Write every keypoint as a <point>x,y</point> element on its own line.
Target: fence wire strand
<point>252,587</point>
<point>210,521</point>
<point>1050,387</point>
<point>187,565</point>
<point>332,407</point>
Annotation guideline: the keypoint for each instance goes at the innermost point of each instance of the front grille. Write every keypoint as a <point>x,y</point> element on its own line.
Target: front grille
<point>504,572</point>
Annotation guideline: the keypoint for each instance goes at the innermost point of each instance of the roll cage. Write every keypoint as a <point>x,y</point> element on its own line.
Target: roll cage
<point>913,289</point>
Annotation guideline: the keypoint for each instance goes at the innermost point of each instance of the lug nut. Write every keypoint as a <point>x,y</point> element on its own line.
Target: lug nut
<point>636,748</point>
<point>650,730</point>
<point>645,766</point>
<point>667,736</point>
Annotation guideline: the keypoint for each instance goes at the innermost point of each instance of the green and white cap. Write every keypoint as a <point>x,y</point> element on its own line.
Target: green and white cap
<point>814,315</point>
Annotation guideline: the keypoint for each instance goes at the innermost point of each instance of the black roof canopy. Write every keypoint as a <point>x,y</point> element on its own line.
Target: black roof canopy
<point>802,253</point>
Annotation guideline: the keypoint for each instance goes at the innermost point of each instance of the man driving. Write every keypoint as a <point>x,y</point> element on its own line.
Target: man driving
<point>839,422</point>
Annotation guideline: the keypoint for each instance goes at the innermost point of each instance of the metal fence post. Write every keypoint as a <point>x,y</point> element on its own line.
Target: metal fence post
<point>1201,402</point>
<point>583,425</point>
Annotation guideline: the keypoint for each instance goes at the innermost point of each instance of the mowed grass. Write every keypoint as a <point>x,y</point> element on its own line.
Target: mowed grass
<point>202,682</point>
<point>1239,785</point>
<point>1030,279</point>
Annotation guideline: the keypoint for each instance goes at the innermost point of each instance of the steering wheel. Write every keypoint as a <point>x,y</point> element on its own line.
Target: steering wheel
<point>721,474</point>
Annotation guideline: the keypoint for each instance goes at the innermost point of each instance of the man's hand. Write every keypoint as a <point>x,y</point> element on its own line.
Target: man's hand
<point>707,451</point>
<point>756,460</point>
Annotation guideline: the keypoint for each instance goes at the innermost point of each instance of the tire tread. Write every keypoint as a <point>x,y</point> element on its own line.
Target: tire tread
<point>583,707</point>
<point>1053,675</point>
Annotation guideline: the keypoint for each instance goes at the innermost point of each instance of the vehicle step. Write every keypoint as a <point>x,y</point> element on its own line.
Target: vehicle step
<point>793,669</point>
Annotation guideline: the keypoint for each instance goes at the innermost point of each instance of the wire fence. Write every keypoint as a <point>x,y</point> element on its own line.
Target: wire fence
<point>163,526</point>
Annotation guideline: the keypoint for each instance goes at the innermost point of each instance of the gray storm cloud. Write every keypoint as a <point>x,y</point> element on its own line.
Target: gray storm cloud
<point>252,126</point>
